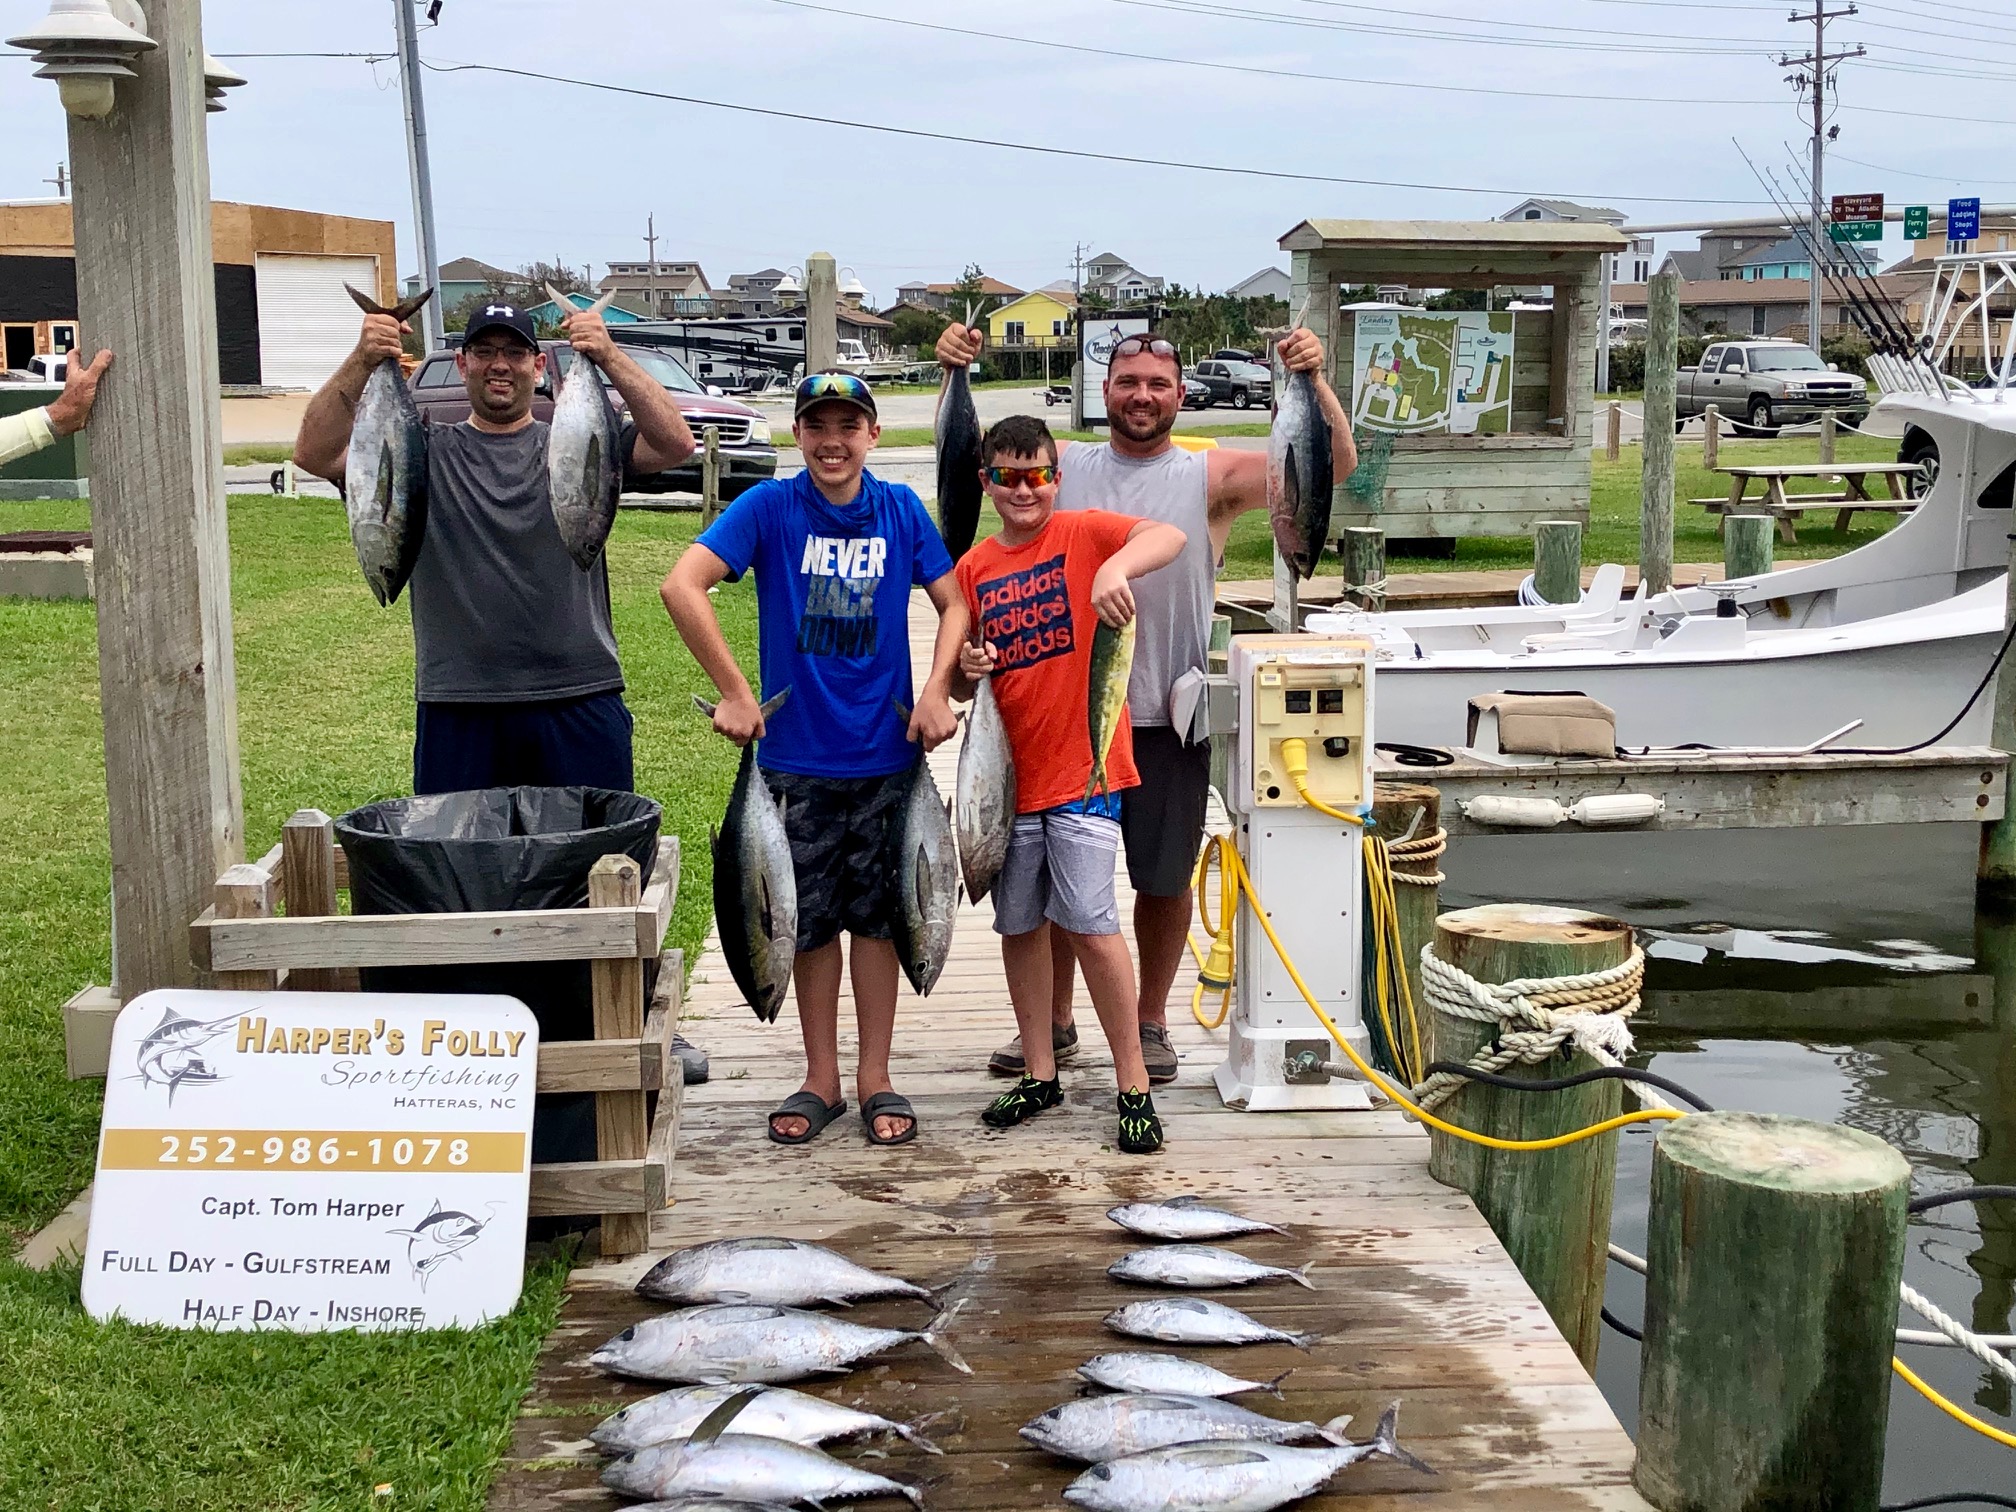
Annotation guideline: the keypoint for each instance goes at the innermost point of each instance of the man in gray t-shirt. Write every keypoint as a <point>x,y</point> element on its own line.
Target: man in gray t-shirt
<point>516,674</point>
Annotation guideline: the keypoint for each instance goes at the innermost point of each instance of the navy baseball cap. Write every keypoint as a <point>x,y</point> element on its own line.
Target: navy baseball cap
<point>843,388</point>
<point>506,317</point>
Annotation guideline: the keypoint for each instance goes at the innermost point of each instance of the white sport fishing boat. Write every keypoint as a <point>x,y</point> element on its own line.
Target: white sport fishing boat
<point>1898,634</point>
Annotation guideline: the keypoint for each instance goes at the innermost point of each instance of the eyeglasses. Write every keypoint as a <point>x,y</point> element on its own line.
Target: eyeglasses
<point>1154,346</point>
<point>1015,477</point>
<point>488,354</point>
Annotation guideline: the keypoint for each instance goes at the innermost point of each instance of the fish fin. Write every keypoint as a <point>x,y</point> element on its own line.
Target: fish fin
<point>837,1302</point>
<point>567,306</point>
<point>365,302</point>
<point>406,309</point>
<point>716,1422</point>
<point>1301,1276</point>
<point>1273,1387</point>
<point>769,915</point>
<point>1188,1199</point>
<point>774,702</point>
<point>912,1432</point>
<point>1302,1341</point>
<point>1333,1430</point>
<point>1384,1442</point>
<point>934,1335</point>
<point>703,706</point>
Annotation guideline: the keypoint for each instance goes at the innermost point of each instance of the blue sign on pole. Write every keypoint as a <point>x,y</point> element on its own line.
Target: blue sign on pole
<point>1963,219</point>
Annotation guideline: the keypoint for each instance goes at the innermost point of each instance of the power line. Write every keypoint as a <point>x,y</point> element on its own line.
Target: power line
<point>1312,23</point>
<point>1593,31</point>
<point>1920,16</point>
<point>1937,178</point>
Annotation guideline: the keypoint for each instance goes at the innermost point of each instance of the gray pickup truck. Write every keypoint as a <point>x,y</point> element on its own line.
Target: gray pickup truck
<point>1762,385</point>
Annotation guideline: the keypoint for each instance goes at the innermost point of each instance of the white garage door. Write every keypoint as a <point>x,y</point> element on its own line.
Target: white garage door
<point>307,324</point>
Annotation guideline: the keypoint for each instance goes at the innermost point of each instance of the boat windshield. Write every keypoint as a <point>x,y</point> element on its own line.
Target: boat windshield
<point>1777,360</point>
<point>669,371</point>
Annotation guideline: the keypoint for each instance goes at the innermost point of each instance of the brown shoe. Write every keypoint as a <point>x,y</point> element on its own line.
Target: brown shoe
<point>1157,1054</point>
<point>1009,1060</point>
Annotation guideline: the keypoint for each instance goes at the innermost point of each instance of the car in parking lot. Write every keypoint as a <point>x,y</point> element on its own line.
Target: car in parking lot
<point>1196,393</point>
<point>747,453</point>
<point>1240,384</point>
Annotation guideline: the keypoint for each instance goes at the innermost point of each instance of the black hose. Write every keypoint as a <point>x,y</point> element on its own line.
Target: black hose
<point>1953,1499</point>
<point>1951,725</point>
<point>1415,755</point>
<point>1562,1083</point>
<point>1964,1194</point>
<point>1637,1336</point>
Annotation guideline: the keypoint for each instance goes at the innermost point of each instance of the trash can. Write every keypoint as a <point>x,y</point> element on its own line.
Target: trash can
<point>493,849</point>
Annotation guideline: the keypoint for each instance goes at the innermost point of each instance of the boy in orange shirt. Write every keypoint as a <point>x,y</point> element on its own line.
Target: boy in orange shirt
<point>1037,588</point>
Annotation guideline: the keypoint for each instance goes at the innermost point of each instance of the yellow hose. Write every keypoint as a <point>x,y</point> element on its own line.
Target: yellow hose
<point>1958,1414</point>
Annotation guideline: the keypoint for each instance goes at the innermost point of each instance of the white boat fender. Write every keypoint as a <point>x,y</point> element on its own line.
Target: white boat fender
<point>1610,810</point>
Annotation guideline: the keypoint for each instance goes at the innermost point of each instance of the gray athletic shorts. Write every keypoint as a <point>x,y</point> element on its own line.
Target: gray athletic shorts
<point>1060,868</point>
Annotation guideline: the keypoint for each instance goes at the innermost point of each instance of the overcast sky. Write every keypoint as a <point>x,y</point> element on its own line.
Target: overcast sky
<point>525,168</point>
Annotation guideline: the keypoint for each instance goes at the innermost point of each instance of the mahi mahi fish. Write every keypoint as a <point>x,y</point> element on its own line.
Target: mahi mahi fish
<point>584,462</point>
<point>743,1342</point>
<point>924,860</point>
<point>1099,1428</point>
<point>1199,1266</point>
<point>780,1272</point>
<point>983,793</point>
<point>1299,473</point>
<point>776,1412</point>
<point>1193,1320</point>
<point>755,885</point>
<point>1250,1477</point>
<point>1106,697</point>
<point>957,433</point>
<point>1143,1370</point>
<point>385,473</point>
<point>1185,1218</point>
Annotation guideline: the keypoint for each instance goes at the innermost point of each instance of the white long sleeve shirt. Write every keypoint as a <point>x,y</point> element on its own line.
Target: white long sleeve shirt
<point>24,433</point>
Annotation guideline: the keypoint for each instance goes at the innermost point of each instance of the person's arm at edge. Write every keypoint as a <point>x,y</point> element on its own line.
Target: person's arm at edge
<point>1149,545</point>
<point>932,722</point>
<point>664,439</point>
<point>25,433</point>
<point>684,593</point>
<point>322,444</point>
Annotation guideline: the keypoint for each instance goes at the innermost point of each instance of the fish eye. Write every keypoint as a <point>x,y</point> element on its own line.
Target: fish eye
<point>1101,1472</point>
<point>628,1334</point>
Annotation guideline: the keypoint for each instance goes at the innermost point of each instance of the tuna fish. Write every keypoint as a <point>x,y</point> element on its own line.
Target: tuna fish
<point>924,860</point>
<point>584,455</point>
<point>983,794</point>
<point>385,474</point>
<point>1185,1218</point>
<point>700,1503</point>
<point>1192,1320</point>
<point>1299,473</point>
<point>1106,697</point>
<point>1141,1370</point>
<point>740,1342</point>
<point>1099,1428</point>
<point>780,1272</point>
<point>776,1412</point>
<point>755,885</point>
<point>1251,1477</point>
<point>1199,1266</point>
<point>957,433</point>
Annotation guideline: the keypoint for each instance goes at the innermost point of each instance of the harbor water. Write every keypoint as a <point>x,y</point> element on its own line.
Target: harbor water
<point>1836,974</point>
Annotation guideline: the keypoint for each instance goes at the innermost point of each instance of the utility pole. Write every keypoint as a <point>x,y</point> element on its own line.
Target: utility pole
<point>61,181</point>
<point>651,268</point>
<point>416,162</point>
<point>1817,73</point>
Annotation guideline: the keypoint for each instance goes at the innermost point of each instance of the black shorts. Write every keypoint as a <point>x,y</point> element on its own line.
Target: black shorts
<point>1162,820</point>
<point>839,829</point>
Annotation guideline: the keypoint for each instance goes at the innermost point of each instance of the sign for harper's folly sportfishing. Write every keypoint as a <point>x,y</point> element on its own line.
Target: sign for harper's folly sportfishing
<point>313,1160</point>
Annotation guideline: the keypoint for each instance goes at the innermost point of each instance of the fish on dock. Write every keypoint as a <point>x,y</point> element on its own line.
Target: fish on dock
<point>1095,1429</point>
<point>1299,469</point>
<point>1199,1266</point>
<point>584,452</point>
<point>1186,1218</point>
<point>1244,1477</point>
<point>1193,1320</point>
<point>776,1272</point>
<point>385,471</point>
<point>755,883</point>
<point>1106,697</point>
<point>776,1412</point>
<point>925,862</point>
<point>742,1342</point>
<point>983,794</point>
<point>1144,1370</point>
<point>956,431</point>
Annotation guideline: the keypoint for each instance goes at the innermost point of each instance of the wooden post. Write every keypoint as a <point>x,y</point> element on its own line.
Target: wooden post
<point>1774,1250</point>
<point>1746,544</point>
<point>1362,551</point>
<point>308,882</point>
<point>244,892</point>
<point>621,1129</point>
<point>710,474</point>
<point>1613,431</point>
<point>1662,359</point>
<point>167,678</point>
<point>1218,658</point>
<point>1219,652</point>
<point>1827,436</point>
<point>1995,873</point>
<point>822,300</point>
<point>1711,437</point>
<point>1395,807</point>
<point>1557,561</point>
<point>1551,1209</point>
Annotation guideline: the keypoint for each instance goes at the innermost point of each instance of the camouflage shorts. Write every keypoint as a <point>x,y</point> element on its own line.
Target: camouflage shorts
<point>839,832</point>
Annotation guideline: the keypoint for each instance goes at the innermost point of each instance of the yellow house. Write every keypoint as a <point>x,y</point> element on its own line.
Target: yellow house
<point>1039,319</point>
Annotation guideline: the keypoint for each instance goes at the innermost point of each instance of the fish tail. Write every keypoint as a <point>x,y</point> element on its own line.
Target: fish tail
<point>1302,1341</point>
<point>912,1432</point>
<point>1385,1443</point>
<point>1301,1276</point>
<point>934,1335</point>
<point>404,310</point>
<point>1333,1431</point>
<point>1273,1387</point>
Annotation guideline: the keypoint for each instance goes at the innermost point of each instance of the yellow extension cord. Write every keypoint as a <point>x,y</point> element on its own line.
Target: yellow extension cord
<point>1235,883</point>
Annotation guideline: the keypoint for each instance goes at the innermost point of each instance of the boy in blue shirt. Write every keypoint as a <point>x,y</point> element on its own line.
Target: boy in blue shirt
<point>836,552</point>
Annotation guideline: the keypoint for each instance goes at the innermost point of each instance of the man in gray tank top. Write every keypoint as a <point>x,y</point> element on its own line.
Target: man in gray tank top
<point>1142,472</point>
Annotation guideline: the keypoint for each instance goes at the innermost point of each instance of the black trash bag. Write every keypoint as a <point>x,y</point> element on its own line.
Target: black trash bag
<point>501,848</point>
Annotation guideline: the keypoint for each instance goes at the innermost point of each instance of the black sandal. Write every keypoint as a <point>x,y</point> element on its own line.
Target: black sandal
<point>811,1107</point>
<point>888,1105</point>
<point>1025,1099</point>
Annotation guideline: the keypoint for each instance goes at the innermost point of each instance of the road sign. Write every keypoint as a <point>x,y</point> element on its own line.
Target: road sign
<point>1857,207</point>
<point>304,1161</point>
<point>1856,231</point>
<point>1963,219</point>
<point>1917,222</point>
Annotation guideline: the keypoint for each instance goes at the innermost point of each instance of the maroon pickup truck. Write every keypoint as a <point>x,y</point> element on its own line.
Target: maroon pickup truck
<point>747,456</point>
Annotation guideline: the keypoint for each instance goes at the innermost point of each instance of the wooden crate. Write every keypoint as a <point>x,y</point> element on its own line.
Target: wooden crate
<point>247,943</point>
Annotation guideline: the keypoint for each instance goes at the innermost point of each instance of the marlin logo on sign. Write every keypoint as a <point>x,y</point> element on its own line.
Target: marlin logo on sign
<point>168,1056</point>
<point>440,1234</point>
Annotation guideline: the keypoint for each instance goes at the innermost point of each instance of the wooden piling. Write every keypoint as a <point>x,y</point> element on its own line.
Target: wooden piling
<point>1995,873</point>
<point>1413,809</point>
<point>1557,561</point>
<point>1774,1248</point>
<point>1551,1209</point>
<point>1613,431</point>
<point>1827,429</point>
<point>1362,551</point>
<point>1662,358</point>
<point>710,474</point>
<point>1711,437</point>
<point>1746,544</point>
<point>308,882</point>
<point>622,1129</point>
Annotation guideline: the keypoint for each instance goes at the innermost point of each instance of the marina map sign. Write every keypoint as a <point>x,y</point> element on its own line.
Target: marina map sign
<point>1430,372</point>
<point>313,1160</point>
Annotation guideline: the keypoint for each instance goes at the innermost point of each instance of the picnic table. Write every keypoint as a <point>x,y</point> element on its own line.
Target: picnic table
<point>1852,497</point>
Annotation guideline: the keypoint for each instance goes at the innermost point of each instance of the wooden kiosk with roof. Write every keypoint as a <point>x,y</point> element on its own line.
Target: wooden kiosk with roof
<point>1469,423</point>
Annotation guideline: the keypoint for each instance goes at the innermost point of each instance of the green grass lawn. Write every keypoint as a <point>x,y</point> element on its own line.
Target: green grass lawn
<point>107,1418</point>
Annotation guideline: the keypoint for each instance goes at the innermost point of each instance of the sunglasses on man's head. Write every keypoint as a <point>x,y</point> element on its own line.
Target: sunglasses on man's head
<point>1155,346</point>
<point>1015,477</point>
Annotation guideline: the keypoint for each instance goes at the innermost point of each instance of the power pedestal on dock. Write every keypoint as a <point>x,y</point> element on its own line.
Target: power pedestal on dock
<point>1306,866</point>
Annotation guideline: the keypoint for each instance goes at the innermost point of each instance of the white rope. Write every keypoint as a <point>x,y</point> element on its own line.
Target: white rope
<point>1419,851</point>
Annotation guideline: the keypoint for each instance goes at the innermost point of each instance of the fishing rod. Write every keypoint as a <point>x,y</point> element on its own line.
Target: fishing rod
<point>1875,291</point>
<point>1863,318</point>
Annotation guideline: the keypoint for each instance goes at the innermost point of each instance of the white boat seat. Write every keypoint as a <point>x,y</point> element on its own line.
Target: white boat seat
<point>1605,592</point>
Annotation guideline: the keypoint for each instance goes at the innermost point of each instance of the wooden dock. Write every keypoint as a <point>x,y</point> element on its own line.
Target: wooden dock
<point>1418,1301</point>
